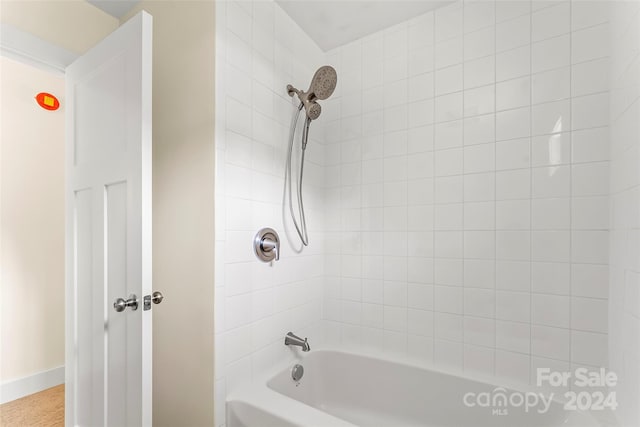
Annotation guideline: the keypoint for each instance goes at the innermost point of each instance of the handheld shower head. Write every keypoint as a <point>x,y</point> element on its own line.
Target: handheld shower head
<point>323,84</point>
<point>313,110</point>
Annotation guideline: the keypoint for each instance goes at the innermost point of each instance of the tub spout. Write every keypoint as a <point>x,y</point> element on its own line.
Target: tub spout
<point>291,339</point>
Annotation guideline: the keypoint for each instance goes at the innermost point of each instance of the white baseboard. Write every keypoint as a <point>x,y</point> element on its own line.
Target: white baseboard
<point>15,389</point>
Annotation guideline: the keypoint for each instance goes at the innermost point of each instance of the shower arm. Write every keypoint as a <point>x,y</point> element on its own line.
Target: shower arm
<point>304,96</point>
<point>292,90</point>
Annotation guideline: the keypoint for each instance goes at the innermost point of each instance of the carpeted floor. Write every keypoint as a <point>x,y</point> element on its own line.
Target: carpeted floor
<point>43,409</point>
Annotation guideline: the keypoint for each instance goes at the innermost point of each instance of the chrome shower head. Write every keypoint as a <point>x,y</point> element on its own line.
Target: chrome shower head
<point>323,84</point>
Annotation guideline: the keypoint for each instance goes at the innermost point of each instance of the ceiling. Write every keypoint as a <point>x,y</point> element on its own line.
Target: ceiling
<point>115,8</point>
<point>334,23</point>
<point>330,23</point>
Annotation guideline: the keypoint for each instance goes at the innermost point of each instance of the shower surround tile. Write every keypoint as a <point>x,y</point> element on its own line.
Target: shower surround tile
<point>256,303</point>
<point>457,184</point>
<point>495,184</point>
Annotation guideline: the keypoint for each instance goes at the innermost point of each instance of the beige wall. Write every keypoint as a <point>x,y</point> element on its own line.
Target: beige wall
<point>183,188</point>
<point>32,223</point>
<point>72,24</point>
<point>32,242</point>
<point>183,215</point>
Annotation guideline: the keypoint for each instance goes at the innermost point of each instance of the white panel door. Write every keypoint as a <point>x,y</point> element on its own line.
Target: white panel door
<point>108,230</point>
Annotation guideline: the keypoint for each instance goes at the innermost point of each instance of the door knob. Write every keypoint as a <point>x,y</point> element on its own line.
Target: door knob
<point>121,304</point>
<point>155,298</point>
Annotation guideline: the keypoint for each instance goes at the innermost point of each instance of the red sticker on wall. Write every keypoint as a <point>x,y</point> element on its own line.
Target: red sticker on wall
<point>47,101</point>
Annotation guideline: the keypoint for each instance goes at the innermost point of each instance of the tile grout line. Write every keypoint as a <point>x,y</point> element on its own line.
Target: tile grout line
<point>570,134</point>
<point>361,233</point>
<point>406,188</point>
<point>464,5</point>
<point>495,189</point>
<point>530,364</point>
<point>433,201</point>
<point>384,54</point>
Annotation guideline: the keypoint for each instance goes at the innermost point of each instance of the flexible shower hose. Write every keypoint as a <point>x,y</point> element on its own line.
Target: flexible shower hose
<point>288,178</point>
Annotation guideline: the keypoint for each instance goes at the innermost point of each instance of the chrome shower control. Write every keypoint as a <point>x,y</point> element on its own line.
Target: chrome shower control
<point>266,245</point>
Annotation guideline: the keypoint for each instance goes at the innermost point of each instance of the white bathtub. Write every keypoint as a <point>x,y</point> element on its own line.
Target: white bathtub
<point>347,389</point>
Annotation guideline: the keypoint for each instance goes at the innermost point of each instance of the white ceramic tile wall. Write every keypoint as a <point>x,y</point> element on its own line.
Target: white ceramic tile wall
<point>259,49</point>
<point>458,194</point>
<point>467,171</point>
<point>624,303</point>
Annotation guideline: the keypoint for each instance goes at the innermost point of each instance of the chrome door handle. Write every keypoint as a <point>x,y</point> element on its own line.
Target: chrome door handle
<point>155,298</point>
<point>121,304</point>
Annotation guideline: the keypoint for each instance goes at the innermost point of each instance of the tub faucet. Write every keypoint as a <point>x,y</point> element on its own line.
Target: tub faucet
<point>291,339</point>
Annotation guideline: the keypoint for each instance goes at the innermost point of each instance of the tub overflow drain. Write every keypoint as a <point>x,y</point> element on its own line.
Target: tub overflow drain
<point>297,372</point>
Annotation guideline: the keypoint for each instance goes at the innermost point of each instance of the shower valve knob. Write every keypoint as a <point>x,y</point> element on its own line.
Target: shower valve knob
<point>266,245</point>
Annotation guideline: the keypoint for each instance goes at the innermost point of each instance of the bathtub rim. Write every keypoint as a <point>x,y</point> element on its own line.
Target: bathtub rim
<point>291,410</point>
<point>258,393</point>
<point>492,381</point>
